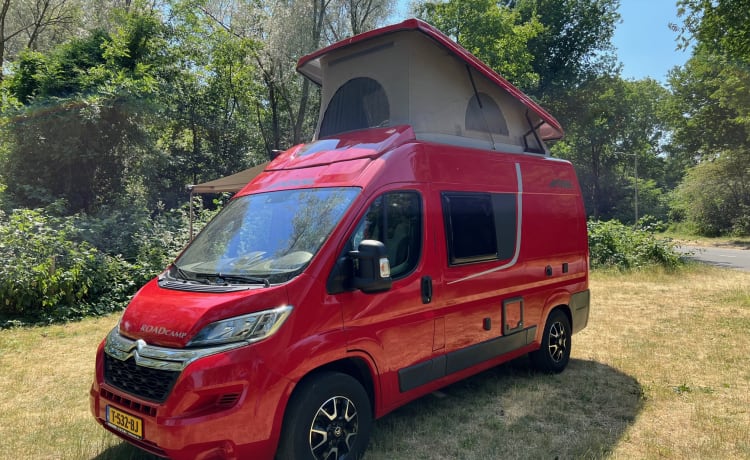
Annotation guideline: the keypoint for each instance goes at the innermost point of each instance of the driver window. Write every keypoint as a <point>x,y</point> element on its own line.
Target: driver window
<point>395,219</point>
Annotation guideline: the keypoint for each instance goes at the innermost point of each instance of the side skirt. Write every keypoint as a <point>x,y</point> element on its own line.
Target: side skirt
<point>427,371</point>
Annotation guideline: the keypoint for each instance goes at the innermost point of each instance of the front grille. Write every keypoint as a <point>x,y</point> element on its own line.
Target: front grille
<point>144,382</point>
<point>129,403</point>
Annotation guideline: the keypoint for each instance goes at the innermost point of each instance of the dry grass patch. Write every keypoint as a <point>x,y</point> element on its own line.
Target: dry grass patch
<point>685,339</point>
<point>45,378</point>
<point>661,372</point>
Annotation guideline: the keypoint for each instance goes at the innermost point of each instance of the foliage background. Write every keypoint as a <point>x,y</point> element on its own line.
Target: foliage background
<point>109,108</point>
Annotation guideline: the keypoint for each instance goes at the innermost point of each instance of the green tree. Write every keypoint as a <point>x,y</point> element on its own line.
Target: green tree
<point>618,123</point>
<point>710,139</point>
<point>284,31</point>
<point>714,196</point>
<point>575,44</point>
<point>495,33</point>
<point>710,117</point>
<point>35,25</point>
<point>208,101</point>
<point>721,27</point>
<point>80,134</point>
<point>721,31</point>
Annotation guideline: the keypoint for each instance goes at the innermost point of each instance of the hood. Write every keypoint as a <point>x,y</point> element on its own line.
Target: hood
<point>171,318</point>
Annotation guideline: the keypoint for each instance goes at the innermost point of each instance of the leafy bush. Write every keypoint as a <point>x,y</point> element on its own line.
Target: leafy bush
<point>714,196</point>
<point>47,275</point>
<point>614,245</point>
<point>53,270</point>
<point>163,237</point>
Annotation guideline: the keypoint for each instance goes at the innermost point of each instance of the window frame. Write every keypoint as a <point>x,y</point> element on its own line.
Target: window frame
<point>386,205</point>
<point>503,226</point>
<point>340,278</point>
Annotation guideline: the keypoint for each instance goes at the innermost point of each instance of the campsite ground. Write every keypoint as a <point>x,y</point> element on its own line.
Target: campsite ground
<point>660,372</point>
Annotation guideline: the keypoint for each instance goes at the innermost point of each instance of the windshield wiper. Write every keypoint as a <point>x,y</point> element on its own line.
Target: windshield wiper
<point>182,274</point>
<point>241,278</point>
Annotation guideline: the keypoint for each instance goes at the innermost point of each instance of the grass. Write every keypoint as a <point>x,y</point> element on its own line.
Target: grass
<point>660,372</point>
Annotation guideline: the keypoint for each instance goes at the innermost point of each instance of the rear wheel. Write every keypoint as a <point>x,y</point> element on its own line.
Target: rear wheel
<point>554,354</point>
<point>329,418</point>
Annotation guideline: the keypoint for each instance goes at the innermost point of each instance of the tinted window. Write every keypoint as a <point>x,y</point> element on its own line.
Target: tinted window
<point>479,226</point>
<point>359,103</point>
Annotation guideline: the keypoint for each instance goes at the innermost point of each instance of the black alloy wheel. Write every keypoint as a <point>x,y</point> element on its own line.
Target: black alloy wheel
<point>554,354</point>
<point>329,418</point>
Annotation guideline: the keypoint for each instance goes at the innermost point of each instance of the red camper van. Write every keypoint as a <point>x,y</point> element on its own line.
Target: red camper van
<point>423,236</point>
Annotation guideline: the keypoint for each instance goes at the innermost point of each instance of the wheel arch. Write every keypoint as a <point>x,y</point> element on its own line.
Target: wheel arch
<point>355,366</point>
<point>574,304</point>
<point>560,300</point>
<point>565,308</point>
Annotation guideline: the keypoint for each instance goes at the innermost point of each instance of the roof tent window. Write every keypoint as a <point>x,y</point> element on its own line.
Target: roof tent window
<point>483,114</point>
<point>359,103</point>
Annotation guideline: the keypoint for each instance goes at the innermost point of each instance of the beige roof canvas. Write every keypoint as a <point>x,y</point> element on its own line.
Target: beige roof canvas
<point>405,77</point>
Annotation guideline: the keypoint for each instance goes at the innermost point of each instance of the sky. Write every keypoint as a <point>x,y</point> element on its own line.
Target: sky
<point>645,44</point>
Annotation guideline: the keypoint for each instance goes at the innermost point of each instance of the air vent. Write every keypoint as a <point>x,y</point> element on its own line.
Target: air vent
<point>228,400</point>
<point>130,404</point>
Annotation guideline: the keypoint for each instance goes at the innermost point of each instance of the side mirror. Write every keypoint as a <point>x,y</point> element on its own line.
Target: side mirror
<point>372,271</point>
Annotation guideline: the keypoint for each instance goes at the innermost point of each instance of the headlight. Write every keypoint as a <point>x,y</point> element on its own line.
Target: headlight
<point>248,328</point>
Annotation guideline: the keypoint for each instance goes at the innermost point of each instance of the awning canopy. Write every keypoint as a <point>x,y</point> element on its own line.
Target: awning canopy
<point>232,183</point>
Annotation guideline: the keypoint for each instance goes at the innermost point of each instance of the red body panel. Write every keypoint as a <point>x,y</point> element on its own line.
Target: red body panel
<point>385,332</point>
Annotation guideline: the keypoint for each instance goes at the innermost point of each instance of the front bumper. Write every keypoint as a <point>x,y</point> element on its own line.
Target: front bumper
<point>227,405</point>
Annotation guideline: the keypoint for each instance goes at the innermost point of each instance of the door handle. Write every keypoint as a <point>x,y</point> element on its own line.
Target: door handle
<point>426,289</point>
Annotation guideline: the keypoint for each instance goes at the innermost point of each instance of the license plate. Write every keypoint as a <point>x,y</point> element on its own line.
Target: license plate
<point>125,422</point>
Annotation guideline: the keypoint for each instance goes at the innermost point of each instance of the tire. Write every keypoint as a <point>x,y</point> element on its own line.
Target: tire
<point>328,418</point>
<point>554,354</point>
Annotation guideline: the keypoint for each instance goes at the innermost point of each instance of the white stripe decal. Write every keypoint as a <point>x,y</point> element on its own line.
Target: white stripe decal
<point>519,213</point>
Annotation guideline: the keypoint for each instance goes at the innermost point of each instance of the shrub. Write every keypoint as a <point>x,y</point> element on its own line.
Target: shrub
<point>62,268</point>
<point>49,275</point>
<point>163,236</point>
<point>614,245</point>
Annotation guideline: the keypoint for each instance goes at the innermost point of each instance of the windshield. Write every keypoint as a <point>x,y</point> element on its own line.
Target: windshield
<point>262,238</point>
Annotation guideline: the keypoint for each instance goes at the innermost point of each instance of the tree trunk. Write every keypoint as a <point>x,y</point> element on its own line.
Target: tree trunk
<point>3,15</point>
<point>319,10</point>
<point>596,180</point>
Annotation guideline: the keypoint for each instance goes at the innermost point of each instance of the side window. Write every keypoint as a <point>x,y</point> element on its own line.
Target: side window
<point>479,226</point>
<point>395,219</point>
<point>358,104</point>
<point>483,114</point>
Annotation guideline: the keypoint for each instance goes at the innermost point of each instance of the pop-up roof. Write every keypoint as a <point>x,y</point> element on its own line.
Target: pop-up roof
<point>412,74</point>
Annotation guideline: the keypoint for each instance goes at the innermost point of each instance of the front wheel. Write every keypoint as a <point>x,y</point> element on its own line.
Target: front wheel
<point>329,418</point>
<point>554,354</point>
